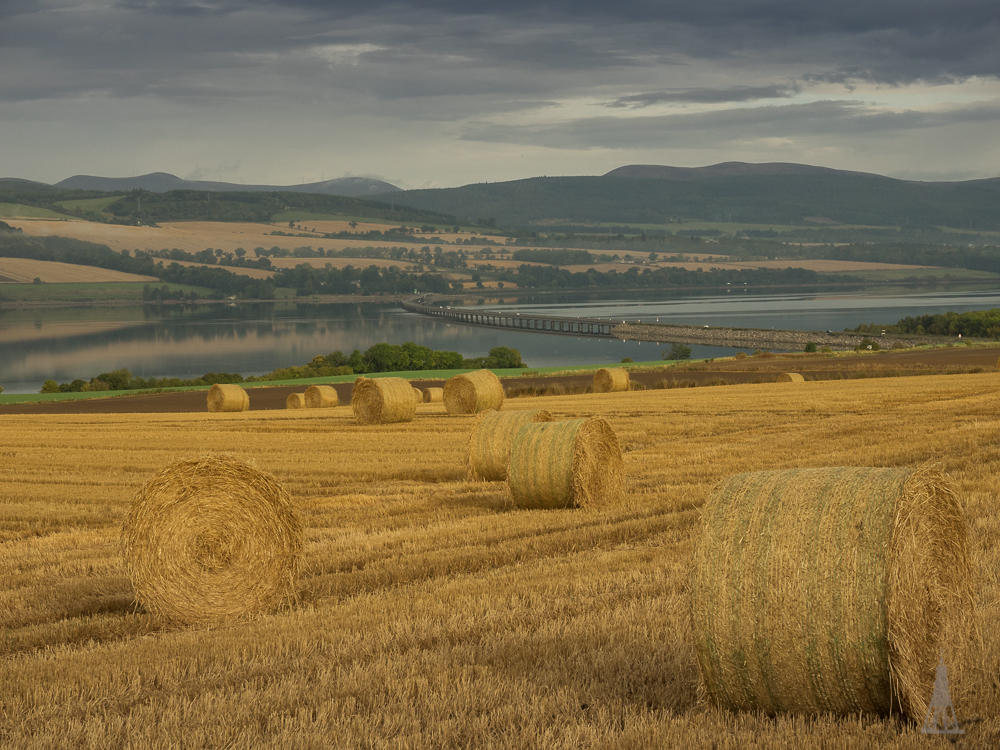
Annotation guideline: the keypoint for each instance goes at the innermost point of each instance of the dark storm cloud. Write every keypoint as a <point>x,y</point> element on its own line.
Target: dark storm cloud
<point>519,49</point>
<point>828,119</point>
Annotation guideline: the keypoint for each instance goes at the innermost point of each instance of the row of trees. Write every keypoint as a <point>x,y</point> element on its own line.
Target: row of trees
<point>976,323</point>
<point>381,357</point>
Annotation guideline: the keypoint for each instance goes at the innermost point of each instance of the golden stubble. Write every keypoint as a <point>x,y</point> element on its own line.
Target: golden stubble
<point>431,613</point>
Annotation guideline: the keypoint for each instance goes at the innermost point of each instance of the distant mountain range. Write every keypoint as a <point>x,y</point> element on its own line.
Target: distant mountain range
<point>774,193</point>
<point>161,182</point>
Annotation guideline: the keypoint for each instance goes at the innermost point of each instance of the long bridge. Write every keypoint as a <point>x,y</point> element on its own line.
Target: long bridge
<point>518,321</point>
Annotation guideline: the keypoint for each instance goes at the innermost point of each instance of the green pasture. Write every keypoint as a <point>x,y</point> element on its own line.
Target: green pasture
<point>17,211</point>
<point>88,291</point>
<point>89,204</point>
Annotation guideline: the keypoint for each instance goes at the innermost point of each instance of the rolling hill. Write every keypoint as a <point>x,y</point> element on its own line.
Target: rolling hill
<point>794,194</point>
<point>162,182</point>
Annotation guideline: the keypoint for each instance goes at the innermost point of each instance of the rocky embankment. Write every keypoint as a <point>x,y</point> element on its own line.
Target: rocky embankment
<point>758,338</point>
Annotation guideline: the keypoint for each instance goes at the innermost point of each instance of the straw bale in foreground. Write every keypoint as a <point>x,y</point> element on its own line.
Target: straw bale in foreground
<point>212,538</point>
<point>473,392</point>
<point>295,401</point>
<point>433,395</point>
<point>791,377</point>
<point>491,439</point>
<point>575,463</point>
<point>228,397</point>
<point>611,380</point>
<point>819,590</point>
<point>383,400</point>
<point>321,397</point>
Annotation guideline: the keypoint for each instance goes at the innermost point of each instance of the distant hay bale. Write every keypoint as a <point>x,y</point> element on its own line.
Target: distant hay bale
<point>227,397</point>
<point>473,392</point>
<point>418,396</point>
<point>383,400</point>
<point>212,538</point>
<point>491,439</point>
<point>820,590</point>
<point>575,463</point>
<point>433,395</point>
<point>295,401</point>
<point>321,397</point>
<point>611,380</point>
<point>790,377</point>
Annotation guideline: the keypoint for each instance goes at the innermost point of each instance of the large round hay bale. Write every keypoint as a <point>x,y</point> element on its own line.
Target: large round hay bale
<point>227,397</point>
<point>820,590</point>
<point>383,400</point>
<point>433,395</point>
<point>611,380</point>
<point>212,538</point>
<point>321,397</point>
<point>295,401</point>
<point>575,463</point>
<point>472,393</point>
<point>418,396</point>
<point>790,377</point>
<point>491,439</point>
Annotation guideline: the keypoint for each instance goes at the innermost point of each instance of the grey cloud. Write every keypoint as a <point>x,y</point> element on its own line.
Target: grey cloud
<point>706,96</point>
<point>829,118</point>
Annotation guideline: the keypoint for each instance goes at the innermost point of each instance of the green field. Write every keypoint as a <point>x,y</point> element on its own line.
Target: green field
<point>16,210</point>
<point>304,216</point>
<point>89,204</point>
<point>935,274</point>
<point>87,292</point>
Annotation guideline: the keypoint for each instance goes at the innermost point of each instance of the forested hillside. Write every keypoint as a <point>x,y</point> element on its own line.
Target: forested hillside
<point>836,197</point>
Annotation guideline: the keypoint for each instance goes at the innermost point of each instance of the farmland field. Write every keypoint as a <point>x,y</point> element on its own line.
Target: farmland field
<point>22,270</point>
<point>431,613</point>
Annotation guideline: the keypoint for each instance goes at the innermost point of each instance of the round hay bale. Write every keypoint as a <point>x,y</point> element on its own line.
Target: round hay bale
<point>790,377</point>
<point>491,439</point>
<point>227,397</point>
<point>433,395</point>
<point>418,396</point>
<point>472,393</point>
<point>611,380</point>
<point>321,397</point>
<point>820,590</point>
<point>295,401</point>
<point>575,463</point>
<point>212,538</point>
<point>382,400</point>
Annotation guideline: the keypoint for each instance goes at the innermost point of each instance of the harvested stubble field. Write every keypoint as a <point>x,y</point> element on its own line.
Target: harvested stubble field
<point>431,614</point>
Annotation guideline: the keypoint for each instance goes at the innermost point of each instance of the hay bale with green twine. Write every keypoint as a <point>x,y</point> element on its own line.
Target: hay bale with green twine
<point>383,400</point>
<point>295,401</point>
<point>473,392</point>
<point>827,590</point>
<point>492,436</point>
<point>227,397</point>
<point>211,539</point>
<point>611,380</point>
<point>791,377</point>
<point>433,395</point>
<point>321,397</point>
<point>570,464</point>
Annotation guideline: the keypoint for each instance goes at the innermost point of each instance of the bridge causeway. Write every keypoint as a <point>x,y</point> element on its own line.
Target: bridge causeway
<point>515,321</point>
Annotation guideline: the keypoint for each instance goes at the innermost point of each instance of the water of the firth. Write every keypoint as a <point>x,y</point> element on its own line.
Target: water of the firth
<point>66,343</point>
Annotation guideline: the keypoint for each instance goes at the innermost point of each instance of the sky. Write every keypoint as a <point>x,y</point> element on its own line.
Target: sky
<point>452,92</point>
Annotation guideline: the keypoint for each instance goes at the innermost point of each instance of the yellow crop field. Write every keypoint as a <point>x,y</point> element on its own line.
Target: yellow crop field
<point>433,614</point>
<point>25,270</point>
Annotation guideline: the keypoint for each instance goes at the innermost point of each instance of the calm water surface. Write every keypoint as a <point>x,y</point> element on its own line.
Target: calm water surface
<point>67,343</point>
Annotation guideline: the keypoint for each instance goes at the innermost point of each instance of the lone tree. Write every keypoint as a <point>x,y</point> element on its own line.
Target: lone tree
<point>677,351</point>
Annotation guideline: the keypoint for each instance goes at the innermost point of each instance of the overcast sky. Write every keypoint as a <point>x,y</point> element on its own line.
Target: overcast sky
<point>437,94</point>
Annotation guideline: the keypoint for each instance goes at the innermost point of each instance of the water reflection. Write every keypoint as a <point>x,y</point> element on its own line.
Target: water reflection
<point>173,341</point>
